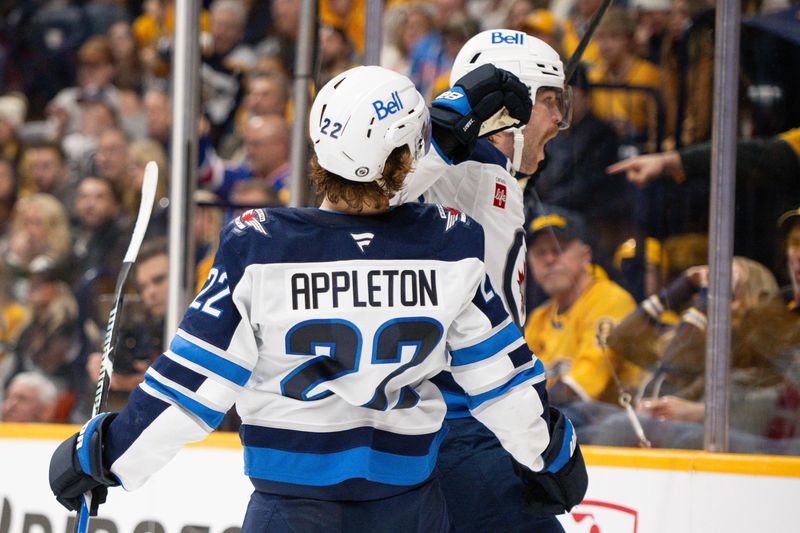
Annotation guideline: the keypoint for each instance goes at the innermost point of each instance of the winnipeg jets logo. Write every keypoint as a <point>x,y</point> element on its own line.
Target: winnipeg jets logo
<point>251,218</point>
<point>452,216</point>
<point>362,239</point>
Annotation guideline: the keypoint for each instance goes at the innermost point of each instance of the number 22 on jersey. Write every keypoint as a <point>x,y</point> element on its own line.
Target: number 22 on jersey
<point>215,289</point>
<point>342,340</point>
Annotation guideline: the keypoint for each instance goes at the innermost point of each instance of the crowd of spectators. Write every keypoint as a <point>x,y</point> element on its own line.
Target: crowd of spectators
<point>85,103</point>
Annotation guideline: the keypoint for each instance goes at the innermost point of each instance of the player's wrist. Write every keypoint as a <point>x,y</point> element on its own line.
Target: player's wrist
<point>447,144</point>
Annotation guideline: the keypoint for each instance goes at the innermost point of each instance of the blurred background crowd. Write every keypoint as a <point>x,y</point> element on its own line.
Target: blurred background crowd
<point>617,227</point>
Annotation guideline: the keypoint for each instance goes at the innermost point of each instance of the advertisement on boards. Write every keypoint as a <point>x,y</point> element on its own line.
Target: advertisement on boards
<point>204,490</point>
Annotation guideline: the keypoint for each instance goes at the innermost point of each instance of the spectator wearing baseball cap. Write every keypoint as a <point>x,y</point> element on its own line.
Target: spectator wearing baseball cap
<point>785,413</point>
<point>568,332</point>
<point>643,269</point>
<point>542,24</point>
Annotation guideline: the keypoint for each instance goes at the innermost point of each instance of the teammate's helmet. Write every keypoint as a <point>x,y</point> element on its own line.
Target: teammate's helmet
<point>363,114</point>
<point>531,59</point>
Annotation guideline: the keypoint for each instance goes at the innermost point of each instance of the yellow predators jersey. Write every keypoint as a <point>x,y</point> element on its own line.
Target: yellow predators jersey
<point>634,107</point>
<point>571,344</point>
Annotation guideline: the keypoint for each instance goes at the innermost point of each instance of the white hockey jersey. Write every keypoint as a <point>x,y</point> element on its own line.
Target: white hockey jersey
<point>325,329</point>
<point>483,188</point>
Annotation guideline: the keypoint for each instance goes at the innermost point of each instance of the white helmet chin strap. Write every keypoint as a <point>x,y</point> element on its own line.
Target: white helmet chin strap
<point>519,141</point>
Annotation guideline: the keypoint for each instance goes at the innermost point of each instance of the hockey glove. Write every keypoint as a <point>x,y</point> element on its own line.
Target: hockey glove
<point>483,101</point>
<point>562,484</point>
<point>77,466</point>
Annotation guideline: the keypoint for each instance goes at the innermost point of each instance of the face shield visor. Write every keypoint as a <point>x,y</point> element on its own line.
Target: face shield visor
<point>558,102</point>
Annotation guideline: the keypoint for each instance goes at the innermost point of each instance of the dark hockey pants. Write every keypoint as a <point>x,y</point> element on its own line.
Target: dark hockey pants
<point>483,492</point>
<point>421,510</point>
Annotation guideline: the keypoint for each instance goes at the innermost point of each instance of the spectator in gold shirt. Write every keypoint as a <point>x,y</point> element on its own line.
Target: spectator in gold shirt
<point>568,332</point>
<point>631,106</point>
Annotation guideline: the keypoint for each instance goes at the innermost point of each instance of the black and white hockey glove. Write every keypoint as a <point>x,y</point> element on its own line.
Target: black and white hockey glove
<point>77,466</point>
<point>562,484</point>
<point>483,101</point>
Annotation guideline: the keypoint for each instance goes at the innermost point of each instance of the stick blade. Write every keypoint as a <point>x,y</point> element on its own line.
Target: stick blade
<point>149,186</point>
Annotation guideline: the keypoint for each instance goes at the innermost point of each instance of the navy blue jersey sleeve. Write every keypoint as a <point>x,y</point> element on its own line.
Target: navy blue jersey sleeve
<point>189,388</point>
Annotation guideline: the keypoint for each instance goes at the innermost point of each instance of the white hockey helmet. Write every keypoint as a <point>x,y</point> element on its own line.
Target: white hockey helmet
<point>532,60</point>
<point>361,115</point>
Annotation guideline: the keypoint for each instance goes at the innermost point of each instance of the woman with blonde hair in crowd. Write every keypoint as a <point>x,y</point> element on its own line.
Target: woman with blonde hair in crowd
<point>39,233</point>
<point>139,154</point>
<point>405,24</point>
<point>671,404</point>
<point>678,353</point>
<point>50,343</point>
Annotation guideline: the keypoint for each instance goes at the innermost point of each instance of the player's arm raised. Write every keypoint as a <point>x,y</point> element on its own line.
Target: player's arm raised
<point>484,101</point>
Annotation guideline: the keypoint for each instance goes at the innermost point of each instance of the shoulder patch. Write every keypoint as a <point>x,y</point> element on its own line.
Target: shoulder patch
<point>452,216</point>
<point>252,218</point>
<point>604,327</point>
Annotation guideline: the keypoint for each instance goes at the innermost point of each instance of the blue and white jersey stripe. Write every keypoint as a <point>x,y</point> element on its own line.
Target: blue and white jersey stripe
<point>179,396</point>
<point>499,341</point>
<point>209,357</point>
<point>526,377</point>
<point>329,458</point>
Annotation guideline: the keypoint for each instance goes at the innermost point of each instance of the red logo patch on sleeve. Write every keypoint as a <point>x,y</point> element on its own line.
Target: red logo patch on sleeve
<point>500,194</point>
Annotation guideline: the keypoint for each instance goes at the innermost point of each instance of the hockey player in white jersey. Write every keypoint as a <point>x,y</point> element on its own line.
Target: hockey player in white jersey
<point>474,467</point>
<point>325,325</point>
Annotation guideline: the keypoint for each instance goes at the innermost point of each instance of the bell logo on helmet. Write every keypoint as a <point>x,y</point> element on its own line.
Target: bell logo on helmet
<point>384,109</point>
<point>499,37</point>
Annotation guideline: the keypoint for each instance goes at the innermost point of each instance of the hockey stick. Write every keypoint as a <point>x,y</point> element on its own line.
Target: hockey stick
<point>572,64</point>
<point>107,360</point>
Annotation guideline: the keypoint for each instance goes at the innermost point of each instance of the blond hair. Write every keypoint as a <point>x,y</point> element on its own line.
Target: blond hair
<point>756,286</point>
<point>141,152</point>
<point>58,238</point>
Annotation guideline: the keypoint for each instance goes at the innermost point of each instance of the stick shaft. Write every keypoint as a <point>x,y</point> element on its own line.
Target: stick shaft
<point>149,186</point>
<point>573,62</point>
